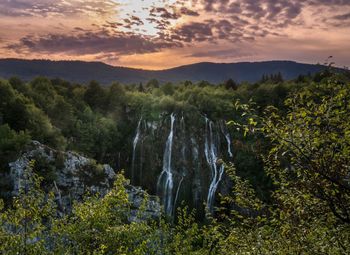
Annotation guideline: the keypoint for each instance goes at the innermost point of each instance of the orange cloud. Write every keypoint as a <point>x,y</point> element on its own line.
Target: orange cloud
<point>158,34</point>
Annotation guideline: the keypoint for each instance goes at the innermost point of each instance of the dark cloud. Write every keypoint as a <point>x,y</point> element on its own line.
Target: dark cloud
<point>194,32</point>
<point>268,13</point>
<point>237,20</point>
<point>161,16</point>
<point>232,21</point>
<point>127,23</point>
<point>211,30</point>
<point>160,24</point>
<point>164,13</point>
<point>223,54</point>
<point>242,20</point>
<point>188,12</point>
<point>328,2</point>
<point>43,8</point>
<point>342,17</point>
<point>90,43</point>
<point>136,21</point>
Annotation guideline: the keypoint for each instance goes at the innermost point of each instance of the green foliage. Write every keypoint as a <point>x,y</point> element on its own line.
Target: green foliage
<point>297,132</point>
<point>312,146</point>
<point>24,226</point>
<point>95,96</point>
<point>21,114</point>
<point>11,143</point>
<point>230,84</point>
<point>308,163</point>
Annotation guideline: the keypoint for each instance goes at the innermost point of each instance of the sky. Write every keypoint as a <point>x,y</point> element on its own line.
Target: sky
<point>160,34</point>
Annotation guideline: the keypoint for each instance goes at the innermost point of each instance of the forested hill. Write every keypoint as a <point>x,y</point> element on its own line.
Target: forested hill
<point>83,72</point>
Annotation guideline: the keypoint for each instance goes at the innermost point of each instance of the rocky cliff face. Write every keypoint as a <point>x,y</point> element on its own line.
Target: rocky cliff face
<point>71,176</point>
<point>180,157</point>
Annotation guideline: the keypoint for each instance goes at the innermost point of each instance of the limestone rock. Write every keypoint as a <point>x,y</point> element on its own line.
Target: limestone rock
<point>71,176</point>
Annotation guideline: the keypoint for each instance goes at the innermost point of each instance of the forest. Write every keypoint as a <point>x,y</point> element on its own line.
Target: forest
<point>280,152</point>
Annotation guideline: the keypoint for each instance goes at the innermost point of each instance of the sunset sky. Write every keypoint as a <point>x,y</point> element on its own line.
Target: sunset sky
<point>158,34</point>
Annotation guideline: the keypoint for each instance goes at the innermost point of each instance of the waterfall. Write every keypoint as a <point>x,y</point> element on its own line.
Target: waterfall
<point>186,156</point>
<point>165,180</point>
<point>135,142</point>
<point>177,194</point>
<point>183,148</point>
<point>228,138</point>
<point>211,155</point>
<point>197,187</point>
<point>183,160</point>
<point>140,175</point>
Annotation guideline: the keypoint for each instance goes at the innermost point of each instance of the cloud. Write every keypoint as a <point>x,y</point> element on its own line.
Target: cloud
<point>223,54</point>
<point>124,29</point>
<point>90,43</point>
<point>188,12</point>
<point>341,17</point>
<point>164,13</point>
<point>172,12</point>
<point>44,8</point>
<point>193,32</point>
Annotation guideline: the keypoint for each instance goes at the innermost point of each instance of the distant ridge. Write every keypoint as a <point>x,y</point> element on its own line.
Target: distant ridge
<point>83,72</point>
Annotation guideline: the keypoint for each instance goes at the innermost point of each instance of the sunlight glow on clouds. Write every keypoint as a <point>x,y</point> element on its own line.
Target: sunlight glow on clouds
<point>158,34</point>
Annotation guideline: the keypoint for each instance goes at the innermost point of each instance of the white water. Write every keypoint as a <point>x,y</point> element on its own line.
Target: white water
<point>183,148</point>
<point>165,180</point>
<point>183,160</point>
<point>228,139</point>
<point>211,155</point>
<point>197,179</point>
<point>136,140</point>
<point>177,194</point>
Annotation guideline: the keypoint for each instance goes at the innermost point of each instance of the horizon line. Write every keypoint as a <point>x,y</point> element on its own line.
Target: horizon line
<point>153,70</point>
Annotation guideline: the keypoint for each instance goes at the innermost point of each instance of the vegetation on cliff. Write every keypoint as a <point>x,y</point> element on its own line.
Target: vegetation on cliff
<point>294,199</point>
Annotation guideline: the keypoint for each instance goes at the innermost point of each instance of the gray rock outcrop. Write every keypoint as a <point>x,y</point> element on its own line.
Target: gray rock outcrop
<point>71,176</point>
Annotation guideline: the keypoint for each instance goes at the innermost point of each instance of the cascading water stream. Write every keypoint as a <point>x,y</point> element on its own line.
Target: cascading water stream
<point>211,154</point>
<point>228,139</point>
<point>165,180</point>
<point>183,160</point>
<point>177,194</point>
<point>135,142</point>
<point>197,187</point>
<point>142,138</point>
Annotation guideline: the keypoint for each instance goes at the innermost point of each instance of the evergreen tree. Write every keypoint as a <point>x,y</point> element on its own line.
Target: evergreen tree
<point>95,96</point>
<point>231,84</point>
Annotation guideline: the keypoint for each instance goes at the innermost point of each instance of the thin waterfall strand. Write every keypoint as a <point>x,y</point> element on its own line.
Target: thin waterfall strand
<point>177,194</point>
<point>135,142</point>
<point>228,139</point>
<point>211,155</point>
<point>167,185</point>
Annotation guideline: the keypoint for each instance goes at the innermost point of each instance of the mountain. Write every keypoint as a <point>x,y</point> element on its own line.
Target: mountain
<point>83,72</point>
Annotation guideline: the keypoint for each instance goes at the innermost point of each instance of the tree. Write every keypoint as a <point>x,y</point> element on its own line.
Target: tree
<point>24,226</point>
<point>264,78</point>
<point>314,138</point>
<point>18,85</point>
<point>153,83</point>
<point>11,143</point>
<point>168,89</point>
<point>95,96</point>
<point>308,162</point>
<point>231,84</point>
<point>141,88</point>
<point>279,78</point>
<point>43,93</point>
<point>188,83</point>
<point>311,144</point>
<point>116,98</point>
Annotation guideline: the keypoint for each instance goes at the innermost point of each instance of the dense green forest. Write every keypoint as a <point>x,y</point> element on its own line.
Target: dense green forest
<point>289,178</point>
